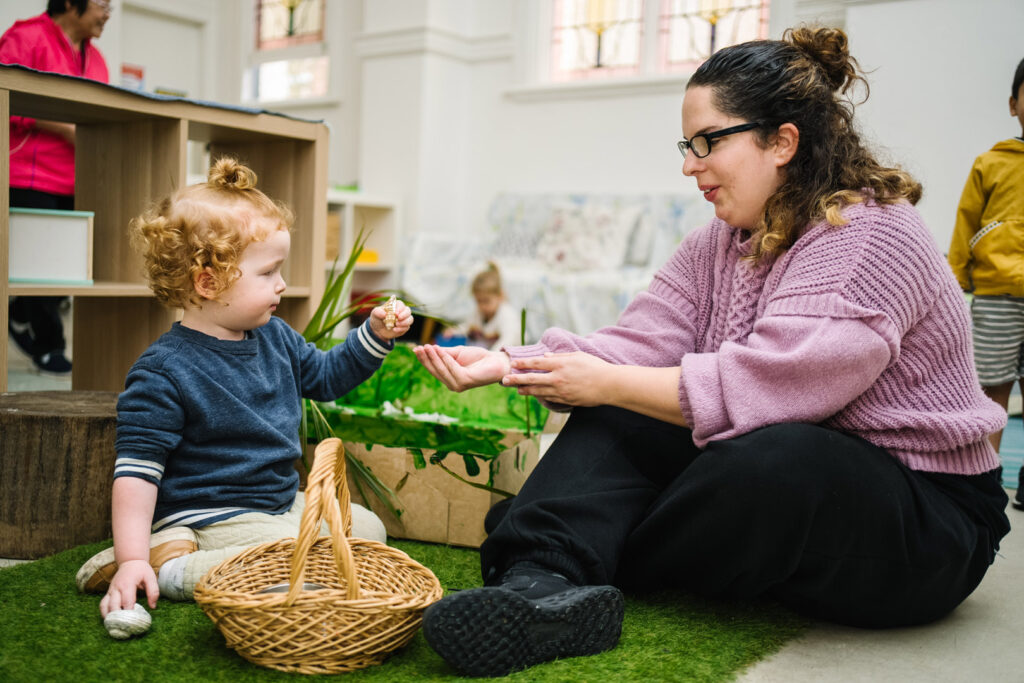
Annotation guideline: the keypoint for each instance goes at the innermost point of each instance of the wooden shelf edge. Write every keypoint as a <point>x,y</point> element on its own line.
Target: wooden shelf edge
<point>125,289</point>
<point>109,289</point>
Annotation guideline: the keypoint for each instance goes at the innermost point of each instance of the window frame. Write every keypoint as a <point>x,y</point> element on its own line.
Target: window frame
<point>303,48</point>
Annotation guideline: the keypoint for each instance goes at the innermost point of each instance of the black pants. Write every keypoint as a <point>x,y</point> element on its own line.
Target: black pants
<point>42,313</point>
<point>824,522</point>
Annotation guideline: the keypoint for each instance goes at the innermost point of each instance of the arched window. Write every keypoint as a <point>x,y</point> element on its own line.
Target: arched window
<point>692,30</point>
<point>607,39</point>
<point>596,38</point>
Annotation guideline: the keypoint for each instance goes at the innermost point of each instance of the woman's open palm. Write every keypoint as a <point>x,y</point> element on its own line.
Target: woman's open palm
<point>463,367</point>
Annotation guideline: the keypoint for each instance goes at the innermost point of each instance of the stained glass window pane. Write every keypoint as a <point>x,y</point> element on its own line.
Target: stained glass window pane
<point>596,38</point>
<point>692,30</point>
<point>283,23</point>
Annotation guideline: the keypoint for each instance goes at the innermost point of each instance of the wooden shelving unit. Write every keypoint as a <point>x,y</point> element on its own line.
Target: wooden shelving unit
<point>351,212</point>
<point>130,151</point>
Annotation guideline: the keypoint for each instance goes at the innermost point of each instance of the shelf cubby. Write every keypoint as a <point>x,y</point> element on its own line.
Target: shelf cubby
<point>131,150</point>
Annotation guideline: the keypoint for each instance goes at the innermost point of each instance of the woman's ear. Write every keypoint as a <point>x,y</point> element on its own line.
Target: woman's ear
<point>787,138</point>
<point>205,284</point>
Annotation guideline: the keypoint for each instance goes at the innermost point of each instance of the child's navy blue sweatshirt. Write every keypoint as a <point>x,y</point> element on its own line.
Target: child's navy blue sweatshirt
<point>215,424</point>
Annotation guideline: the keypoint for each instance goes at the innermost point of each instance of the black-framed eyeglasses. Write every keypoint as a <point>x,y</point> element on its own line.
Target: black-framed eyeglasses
<point>700,145</point>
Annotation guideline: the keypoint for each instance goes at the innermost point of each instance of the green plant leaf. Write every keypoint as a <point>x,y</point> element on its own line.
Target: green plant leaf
<point>483,416</point>
<point>418,461</point>
<point>472,466</point>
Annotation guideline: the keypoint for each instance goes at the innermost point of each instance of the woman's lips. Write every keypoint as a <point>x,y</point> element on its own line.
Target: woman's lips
<point>710,192</point>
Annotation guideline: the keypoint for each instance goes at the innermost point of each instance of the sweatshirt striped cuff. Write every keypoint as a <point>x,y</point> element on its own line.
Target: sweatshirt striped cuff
<point>375,346</point>
<point>125,466</point>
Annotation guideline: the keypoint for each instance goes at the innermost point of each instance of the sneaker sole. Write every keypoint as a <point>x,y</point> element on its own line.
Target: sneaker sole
<point>494,631</point>
<point>94,576</point>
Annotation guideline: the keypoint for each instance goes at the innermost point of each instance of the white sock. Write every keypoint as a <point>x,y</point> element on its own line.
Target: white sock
<point>171,578</point>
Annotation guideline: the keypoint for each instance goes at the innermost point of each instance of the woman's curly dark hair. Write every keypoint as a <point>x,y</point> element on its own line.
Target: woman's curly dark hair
<point>205,226</point>
<point>803,79</point>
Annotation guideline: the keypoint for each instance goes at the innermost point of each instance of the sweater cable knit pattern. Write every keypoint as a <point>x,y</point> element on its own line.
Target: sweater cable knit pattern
<point>861,328</point>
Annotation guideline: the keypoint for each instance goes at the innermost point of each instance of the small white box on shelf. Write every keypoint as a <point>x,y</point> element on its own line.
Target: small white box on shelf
<point>49,246</point>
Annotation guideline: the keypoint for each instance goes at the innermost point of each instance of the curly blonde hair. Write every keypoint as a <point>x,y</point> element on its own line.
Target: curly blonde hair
<point>804,79</point>
<point>205,227</point>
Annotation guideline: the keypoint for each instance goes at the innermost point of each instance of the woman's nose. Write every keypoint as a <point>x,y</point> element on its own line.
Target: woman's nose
<point>691,164</point>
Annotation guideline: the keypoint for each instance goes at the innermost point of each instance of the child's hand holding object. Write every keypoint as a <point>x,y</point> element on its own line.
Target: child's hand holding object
<point>391,320</point>
<point>125,623</point>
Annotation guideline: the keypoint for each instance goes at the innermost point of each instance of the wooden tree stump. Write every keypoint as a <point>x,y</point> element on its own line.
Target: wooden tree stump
<point>56,468</point>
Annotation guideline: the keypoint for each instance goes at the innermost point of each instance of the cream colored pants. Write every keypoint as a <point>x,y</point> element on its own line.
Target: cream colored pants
<point>221,540</point>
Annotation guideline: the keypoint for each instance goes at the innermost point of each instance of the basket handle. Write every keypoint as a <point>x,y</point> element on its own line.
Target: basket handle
<point>327,498</point>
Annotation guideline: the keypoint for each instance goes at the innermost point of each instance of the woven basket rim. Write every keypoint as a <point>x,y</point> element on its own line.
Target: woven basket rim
<point>239,613</point>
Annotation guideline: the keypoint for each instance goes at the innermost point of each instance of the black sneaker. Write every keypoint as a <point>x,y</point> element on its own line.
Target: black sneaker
<point>494,631</point>
<point>52,363</point>
<point>21,333</point>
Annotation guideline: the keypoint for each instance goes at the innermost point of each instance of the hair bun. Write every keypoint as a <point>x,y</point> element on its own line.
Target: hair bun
<point>229,173</point>
<point>830,48</point>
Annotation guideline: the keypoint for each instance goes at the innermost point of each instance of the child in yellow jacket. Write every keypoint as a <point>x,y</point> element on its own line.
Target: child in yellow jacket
<point>987,259</point>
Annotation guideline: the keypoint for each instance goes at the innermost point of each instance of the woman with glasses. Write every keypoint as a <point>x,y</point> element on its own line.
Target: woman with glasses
<point>43,152</point>
<point>789,411</point>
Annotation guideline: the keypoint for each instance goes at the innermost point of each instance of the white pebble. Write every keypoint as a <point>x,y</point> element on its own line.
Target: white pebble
<point>125,623</point>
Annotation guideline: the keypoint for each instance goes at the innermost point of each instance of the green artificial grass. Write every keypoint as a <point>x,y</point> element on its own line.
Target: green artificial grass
<point>50,632</point>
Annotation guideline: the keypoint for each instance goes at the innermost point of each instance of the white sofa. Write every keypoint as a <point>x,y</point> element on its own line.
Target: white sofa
<point>572,260</point>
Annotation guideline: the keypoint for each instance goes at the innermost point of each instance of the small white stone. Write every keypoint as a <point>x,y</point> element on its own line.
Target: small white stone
<point>125,623</point>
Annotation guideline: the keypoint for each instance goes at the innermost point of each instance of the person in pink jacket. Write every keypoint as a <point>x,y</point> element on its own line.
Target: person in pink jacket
<point>789,411</point>
<point>42,169</point>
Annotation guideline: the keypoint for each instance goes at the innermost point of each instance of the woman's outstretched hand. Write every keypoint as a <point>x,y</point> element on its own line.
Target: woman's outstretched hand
<point>463,367</point>
<point>572,379</point>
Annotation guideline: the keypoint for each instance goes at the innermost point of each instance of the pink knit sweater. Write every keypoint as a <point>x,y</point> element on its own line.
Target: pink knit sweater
<point>860,328</point>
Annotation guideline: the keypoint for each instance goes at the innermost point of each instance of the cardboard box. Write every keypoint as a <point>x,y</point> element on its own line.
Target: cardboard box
<point>437,507</point>
<point>48,246</point>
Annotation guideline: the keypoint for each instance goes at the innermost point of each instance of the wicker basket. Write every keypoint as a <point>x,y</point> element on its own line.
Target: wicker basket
<point>369,603</point>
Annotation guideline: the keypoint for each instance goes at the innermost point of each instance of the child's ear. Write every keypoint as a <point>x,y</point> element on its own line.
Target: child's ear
<point>205,284</point>
<point>1013,107</point>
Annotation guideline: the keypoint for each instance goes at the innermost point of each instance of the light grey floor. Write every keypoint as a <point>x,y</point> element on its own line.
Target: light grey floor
<point>22,374</point>
<point>980,641</point>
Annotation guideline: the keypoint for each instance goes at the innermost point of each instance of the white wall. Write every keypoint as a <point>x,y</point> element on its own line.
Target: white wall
<point>428,102</point>
<point>940,85</point>
<point>939,70</point>
<point>178,61</point>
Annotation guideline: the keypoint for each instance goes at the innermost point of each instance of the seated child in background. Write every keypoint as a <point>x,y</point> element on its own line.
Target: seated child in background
<point>208,424</point>
<point>493,323</point>
<point>986,258</point>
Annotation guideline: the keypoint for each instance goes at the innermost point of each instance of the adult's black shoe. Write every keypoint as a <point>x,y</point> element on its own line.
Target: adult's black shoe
<point>534,616</point>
